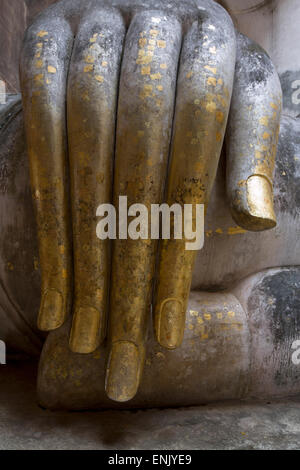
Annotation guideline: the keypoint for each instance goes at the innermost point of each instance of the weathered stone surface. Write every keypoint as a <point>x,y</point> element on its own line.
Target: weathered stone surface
<point>232,349</point>
<point>35,7</point>
<point>15,15</point>
<point>240,253</point>
<point>212,363</point>
<point>221,264</point>
<point>13,20</point>
<point>234,425</point>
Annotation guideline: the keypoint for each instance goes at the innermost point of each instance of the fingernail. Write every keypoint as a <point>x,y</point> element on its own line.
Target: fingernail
<point>171,324</point>
<point>260,202</point>
<point>51,314</point>
<point>85,332</point>
<point>122,377</point>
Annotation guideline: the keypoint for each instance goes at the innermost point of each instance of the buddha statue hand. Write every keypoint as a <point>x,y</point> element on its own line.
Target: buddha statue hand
<point>132,98</point>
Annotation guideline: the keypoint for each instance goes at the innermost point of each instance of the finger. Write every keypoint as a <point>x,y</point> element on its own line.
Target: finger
<point>203,98</point>
<point>251,138</point>
<point>145,111</point>
<point>44,66</point>
<point>92,95</point>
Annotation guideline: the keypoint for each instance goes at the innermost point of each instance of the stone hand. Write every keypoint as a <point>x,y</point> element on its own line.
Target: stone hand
<point>111,91</point>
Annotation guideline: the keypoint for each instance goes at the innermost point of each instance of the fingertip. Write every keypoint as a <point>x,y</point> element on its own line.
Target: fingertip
<point>123,371</point>
<point>260,201</point>
<point>52,311</point>
<point>170,323</point>
<point>85,336</point>
<point>255,210</point>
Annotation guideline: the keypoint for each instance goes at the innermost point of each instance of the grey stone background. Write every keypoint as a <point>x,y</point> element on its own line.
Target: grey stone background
<point>15,15</point>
